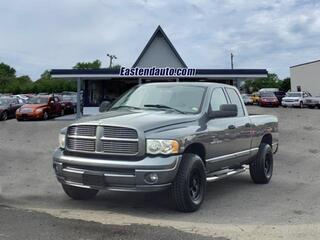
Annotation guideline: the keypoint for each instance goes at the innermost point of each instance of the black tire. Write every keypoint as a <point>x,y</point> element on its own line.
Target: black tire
<point>261,168</point>
<point>4,116</point>
<point>78,193</point>
<point>45,116</point>
<point>188,189</point>
<point>301,105</point>
<point>311,107</point>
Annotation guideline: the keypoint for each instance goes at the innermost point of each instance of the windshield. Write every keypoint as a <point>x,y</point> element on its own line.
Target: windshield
<point>267,94</point>
<point>4,101</point>
<point>294,94</point>
<point>69,98</point>
<point>38,100</point>
<point>181,98</point>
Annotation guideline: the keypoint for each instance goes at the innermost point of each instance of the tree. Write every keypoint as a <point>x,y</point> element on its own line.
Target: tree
<point>285,84</point>
<point>88,65</point>
<point>271,81</point>
<point>7,73</point>
<point>6,70</point>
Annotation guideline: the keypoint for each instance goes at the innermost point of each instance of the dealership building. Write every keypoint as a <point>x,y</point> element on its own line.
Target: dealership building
<point>159,61</point>
<point>306,77</point>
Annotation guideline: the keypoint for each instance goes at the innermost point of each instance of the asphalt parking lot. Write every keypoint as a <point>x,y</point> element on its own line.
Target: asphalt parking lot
<point>235,208</point>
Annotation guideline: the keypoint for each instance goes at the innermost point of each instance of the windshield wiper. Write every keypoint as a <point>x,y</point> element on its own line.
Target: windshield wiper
<point>125,106</point>
<point>164,106</point>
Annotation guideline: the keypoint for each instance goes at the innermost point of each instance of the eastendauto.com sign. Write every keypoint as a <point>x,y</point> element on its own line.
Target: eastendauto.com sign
<point>155,72</point>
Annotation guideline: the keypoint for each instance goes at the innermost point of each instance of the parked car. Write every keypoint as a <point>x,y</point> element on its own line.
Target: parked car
<point>21,98</point>
<point>247,99</point>
<point>280,95</point>
<point>69,102</point>
<point>268,99</point>
<point>8,107</point>
<point>159,136</point>
<point>312,102</point>
<point>40,107</point>
<point>255,97</point>
<point>295,99</point>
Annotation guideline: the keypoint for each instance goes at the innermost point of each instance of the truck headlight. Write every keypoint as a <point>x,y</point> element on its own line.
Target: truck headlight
<point>39,110</point>
<point>155,146</point>
<point>62,140</point>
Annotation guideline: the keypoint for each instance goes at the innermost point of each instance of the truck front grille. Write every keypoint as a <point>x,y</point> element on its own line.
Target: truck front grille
<point>82,130</point>
<point>83,145</point>
<point>120,147</point>
<point>119,132</point>
<point>102,139</point>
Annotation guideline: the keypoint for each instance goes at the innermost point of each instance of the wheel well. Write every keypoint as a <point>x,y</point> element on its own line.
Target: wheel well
<point>267,139</point>
<point>198,149</point>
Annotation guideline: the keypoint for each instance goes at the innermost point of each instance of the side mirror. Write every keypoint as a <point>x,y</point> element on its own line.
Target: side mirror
<point>104,106</point>
<point>226,110</point>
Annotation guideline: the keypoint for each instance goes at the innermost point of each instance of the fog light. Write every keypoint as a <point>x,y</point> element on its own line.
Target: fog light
<point>151,178</point>
<point>58,169</point>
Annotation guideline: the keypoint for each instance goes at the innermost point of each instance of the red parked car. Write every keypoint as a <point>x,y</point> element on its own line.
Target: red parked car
<point>268,99</point>
<point>40,107</point>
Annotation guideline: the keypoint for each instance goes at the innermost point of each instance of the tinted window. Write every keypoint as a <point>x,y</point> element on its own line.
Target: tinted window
<point>234,97</point>
<point>217,99</point>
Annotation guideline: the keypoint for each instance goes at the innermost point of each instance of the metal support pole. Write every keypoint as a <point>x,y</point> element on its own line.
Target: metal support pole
<point>238,83</point>
<point>231,56</point>
<point>140,81</point>
<point>177,79</point>
<point>78,98</point>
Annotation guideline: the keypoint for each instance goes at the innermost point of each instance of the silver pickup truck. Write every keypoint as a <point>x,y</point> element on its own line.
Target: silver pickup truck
<point>166,136</point>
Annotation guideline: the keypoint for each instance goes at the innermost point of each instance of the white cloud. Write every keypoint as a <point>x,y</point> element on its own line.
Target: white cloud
<point>274,34</point>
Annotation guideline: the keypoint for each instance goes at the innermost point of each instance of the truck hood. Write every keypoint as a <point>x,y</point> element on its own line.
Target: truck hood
<point>139,119</point>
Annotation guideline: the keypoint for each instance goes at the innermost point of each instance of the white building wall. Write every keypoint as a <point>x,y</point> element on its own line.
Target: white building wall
<point>307,76</point>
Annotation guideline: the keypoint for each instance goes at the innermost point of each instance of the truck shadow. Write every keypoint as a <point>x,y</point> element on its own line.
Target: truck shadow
<point>229,200</point>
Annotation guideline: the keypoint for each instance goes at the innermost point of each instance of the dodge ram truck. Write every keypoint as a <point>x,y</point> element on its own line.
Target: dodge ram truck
<point>166,136</point>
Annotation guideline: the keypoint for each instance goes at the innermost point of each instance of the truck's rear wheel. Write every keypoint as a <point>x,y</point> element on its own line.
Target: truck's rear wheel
<point>262,167</point>
<point>78,193</point>
<point>188,189</point>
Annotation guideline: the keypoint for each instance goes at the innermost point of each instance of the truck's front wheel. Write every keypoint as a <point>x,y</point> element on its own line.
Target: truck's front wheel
<point>78,193</point>
<point>188,189</point>
<point>262,167</point>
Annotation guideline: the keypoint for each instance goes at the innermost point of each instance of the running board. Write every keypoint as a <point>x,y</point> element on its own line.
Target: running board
<point>216,177</point>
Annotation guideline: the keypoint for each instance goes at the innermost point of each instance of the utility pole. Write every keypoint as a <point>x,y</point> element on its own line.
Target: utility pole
<point>111,58</point>
<point>231,60</point>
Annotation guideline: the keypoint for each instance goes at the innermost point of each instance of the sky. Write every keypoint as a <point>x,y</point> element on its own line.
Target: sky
<point>36,35</point>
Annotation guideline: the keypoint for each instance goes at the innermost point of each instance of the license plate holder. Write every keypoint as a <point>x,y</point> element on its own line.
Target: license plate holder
<point>93,179</point>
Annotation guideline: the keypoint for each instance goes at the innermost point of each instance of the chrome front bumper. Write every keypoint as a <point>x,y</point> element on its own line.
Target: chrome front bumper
<point>115,175</point>
<point>290,104</point>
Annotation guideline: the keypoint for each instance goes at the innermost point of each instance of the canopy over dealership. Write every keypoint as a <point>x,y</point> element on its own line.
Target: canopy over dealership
<point>158,61</point>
